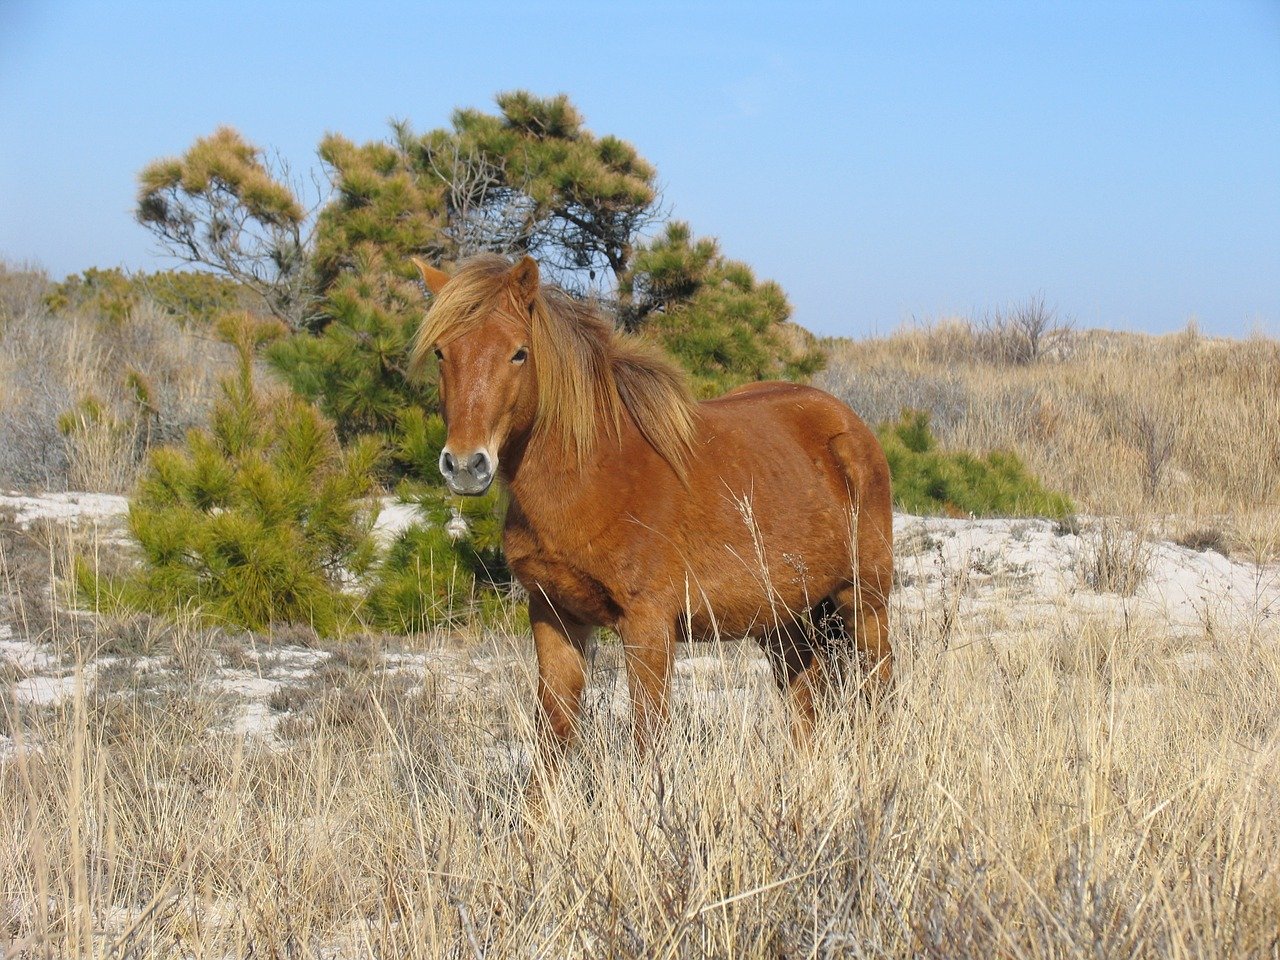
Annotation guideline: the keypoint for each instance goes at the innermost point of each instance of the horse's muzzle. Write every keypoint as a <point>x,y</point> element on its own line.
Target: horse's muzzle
<point>468,475</point>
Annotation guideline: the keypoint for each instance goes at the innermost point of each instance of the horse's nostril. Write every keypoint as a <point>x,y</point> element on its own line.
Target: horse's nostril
<point>448,465</point>
<point>479,465</point>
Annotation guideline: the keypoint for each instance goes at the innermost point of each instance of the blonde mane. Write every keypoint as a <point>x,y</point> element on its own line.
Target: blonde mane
<point>589,373</point>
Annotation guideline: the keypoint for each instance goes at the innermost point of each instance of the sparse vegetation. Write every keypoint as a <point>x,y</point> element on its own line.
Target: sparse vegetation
<point>1124,424</point>
<point>1204,538</point>
<point>1128,815</point>
<point>91,380</point>
<point>186,296</point>
<point>1116,558</point>
<point>1022,334</point>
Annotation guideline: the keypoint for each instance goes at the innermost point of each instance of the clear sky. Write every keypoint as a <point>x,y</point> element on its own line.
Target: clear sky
<point>882,161</point>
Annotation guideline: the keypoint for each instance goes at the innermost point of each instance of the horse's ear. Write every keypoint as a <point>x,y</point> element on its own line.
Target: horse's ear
<point>433,278</point>
<point>524,279</point>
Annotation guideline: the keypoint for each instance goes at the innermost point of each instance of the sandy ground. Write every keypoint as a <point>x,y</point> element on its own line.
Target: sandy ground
<point>1014,577</point>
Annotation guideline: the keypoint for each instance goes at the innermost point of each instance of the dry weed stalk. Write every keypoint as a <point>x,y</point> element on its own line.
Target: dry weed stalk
<point>1116,557</point>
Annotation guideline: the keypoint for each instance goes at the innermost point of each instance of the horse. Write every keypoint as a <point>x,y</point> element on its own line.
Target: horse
<point>763,513</point>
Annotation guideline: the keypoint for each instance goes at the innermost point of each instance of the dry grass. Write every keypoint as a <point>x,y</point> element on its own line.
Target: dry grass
<point>1067,787</point>
<point>1181,426</point>
<point>1116,557</point>
<point>87,370</point>
<point>1072,789</point>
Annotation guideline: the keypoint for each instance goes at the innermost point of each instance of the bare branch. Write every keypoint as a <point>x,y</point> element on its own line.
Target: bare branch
<point>217,227</point>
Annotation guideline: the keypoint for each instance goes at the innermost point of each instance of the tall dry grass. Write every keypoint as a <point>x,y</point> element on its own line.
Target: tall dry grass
<point>1063,788</point>
<point>1180,426</point>
<point>84,395</point>
<point>1070,789</point>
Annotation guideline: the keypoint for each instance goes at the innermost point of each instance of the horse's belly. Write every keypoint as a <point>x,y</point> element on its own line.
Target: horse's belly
<point>751,605</point>
<point>707,626</point>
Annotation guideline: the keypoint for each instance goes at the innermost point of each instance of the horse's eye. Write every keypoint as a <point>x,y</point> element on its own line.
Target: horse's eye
<point>521,355</point>
<point>439,355</point>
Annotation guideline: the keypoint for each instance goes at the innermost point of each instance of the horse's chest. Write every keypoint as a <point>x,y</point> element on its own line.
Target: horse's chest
<point>566,578</point>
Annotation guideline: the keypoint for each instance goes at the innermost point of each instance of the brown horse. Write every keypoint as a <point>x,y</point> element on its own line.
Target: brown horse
<point>761,513</point>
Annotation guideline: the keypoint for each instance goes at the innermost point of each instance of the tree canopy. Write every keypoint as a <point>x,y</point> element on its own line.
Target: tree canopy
<point>726,327</point>
<point>222,205</point>
<point>529,178</point>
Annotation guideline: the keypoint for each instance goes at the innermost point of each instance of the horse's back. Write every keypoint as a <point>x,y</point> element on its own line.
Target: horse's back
<point>776,413</point>
<point>791,442</point>
<point>809,406</point>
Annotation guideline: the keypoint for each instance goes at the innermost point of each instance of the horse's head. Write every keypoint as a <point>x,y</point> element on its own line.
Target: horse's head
<point>479,328</point>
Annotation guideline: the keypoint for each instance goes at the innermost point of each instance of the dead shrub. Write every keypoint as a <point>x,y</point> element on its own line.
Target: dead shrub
<point>1115,558</point>
<point>1021,334</point>
<point>1204,538</point>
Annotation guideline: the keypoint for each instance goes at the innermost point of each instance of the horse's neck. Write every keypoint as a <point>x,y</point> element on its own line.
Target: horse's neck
<point>550,485</point>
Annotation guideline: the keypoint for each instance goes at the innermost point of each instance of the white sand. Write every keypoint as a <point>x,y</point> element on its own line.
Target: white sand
<point>81,508</point>
<point>71,507</point>
<point>1019,572</point>
<point>1020,566</point>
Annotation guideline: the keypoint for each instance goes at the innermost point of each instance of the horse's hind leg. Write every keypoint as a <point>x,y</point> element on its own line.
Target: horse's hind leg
<point>801,674</point>
<point>865,612</point>
<point>863,602</point>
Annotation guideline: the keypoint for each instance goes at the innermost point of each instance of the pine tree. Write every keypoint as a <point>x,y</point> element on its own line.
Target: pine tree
<point>530,179</point>
<point>260,519</point>
<point>446,570</point>
<point>712,314</point>
<point>354,369</point>
<point>221,205</point>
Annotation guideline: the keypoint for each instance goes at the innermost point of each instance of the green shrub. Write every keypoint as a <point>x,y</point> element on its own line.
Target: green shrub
<point>417,440</point>
<point>927,480</point>
<point>354,369</point>
<point>260,519</point>
<point>187,296</point>
<point>721,324</point>
<point>421,582</point>
<point>446,571</point>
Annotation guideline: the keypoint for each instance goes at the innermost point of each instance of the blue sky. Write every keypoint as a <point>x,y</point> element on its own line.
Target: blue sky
<point>882,161</point>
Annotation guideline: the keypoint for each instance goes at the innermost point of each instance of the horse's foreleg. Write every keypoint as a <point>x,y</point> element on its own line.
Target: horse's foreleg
<point>560,644</point>
<point>648,642</point>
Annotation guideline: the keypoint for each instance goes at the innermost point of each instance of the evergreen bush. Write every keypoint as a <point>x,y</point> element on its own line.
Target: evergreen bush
<point>448,570</point>
<point>354,369</point>
<point>260,519</point>
<point>725,327</point>
<point>927,480</point>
